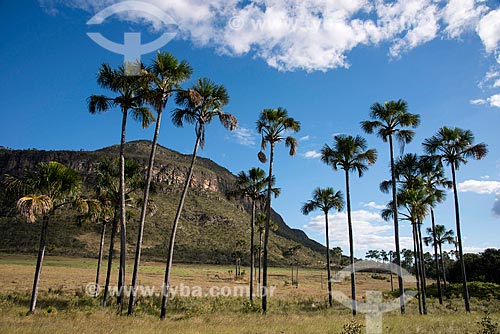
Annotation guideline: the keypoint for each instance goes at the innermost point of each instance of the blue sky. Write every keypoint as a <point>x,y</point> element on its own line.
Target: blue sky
<point>326,62</point>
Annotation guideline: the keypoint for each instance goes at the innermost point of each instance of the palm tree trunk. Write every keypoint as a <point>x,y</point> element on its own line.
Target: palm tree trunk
<point>390,264</point>
<point>99,259</point>
<point>436,259</point>
<point>260,261</point>
<point>170,257</point>
<point>422,269</point>
<point>39,262</point>
<point>252,253</point>
<point>110,259</point>
<point>417,271</point>
<point>330,301</point>
<point>459,237</point>
<point>266,235</point>
<point>351,243</point>
<point>396,229</point>
<point>442,266</point>
<point>145,200</point>
<point>123,223</point>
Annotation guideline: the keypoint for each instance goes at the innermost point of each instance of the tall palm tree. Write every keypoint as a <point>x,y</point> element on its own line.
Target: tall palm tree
<point>454,146</point>
<point>438,236</point>
<point>108,193</point>
<point>201,111</point>
<point>273,125</point>
<point>350,154</point>
<point>432,174</point>
<point>253,186</point>
<point>166,74</point>
<point>47,188</point>
<point>415,201</point>
<point>130,97</point>
<point>325,200</point>
<point>389,120</point>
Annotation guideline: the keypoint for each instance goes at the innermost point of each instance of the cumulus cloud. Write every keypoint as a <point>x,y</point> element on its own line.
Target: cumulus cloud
<point>479,186</point>
<point>315,35</point>
<point>370,231</point>
<point>312,155</point>
<point>373,205</point>
<point>244,136</point>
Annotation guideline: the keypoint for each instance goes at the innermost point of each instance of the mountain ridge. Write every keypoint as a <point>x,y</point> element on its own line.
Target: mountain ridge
<point>211,182</point>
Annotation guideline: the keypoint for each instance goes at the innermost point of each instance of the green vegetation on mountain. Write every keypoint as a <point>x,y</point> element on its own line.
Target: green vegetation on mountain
<point>211,229</point>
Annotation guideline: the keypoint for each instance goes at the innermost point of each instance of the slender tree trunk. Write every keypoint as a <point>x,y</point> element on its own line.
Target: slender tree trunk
<point>39,263</point>
<point>144,208</point>
<point>436,258</point>
<point>330,301</point>
<point>297,275</point>
<point>123,223</point>
<point>351,243</point>
<point>442,266</point>
<point>170,257</point>
<point>459,237</point>
<point>260,261</point>
<point>266,235</point>
<point>252,252</point>
<point>422,269</point>
<point>99,259</point>
<point>396,229</point>
<point>417,271</point>
<point>110,259</point>
<point>390,263</point>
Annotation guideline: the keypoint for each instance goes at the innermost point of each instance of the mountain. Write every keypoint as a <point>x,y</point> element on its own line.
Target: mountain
<point>212,226</point>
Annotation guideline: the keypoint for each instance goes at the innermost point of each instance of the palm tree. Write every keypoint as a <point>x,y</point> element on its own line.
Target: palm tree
<point>438,236</point>
<point>349,153</point>
<point>434,178</point>
<point>273,124</point>
<point>209,104</point>
<point>454,146</point>
<point>166,75</point>
<point>325,200</point>
<point>108,193</point>
<point>253,186</point>
<point>130,97</point>
<point>43,191</point>
<point>389,120</point>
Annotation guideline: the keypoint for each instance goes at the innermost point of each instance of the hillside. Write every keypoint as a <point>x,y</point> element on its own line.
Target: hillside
<point>210,227</point>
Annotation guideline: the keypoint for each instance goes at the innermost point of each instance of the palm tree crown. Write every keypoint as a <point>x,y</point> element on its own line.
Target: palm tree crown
<point>324,200</point>
<point>348,153</point>
<point>454,146</point>
<point>389,119</point>
<point>213,98</point>
<point>273,125</point>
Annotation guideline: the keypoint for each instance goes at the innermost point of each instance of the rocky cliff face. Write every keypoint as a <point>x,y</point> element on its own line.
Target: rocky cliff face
<point>171,168</point>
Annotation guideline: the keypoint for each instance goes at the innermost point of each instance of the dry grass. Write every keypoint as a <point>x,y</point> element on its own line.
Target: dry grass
<point>292,310</point>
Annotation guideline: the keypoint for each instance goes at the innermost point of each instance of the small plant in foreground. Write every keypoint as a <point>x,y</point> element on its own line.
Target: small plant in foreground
<point>352,327</point>
<point>488,326</point>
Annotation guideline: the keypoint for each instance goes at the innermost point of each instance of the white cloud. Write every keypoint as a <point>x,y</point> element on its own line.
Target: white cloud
<point>373,205</point>
<point>479,187</point>
<point>312,155</point>
<point>305,138</point>
<point>244,136</point>
<point>315,35</point>
<point>488,30</point>
<point>370,231</point>
<point>460,15</point>
<point>493,101</point>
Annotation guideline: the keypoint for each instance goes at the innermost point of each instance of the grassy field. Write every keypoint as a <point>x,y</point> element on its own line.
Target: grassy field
<point>64,306</point>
